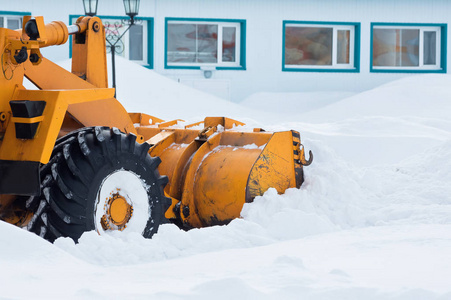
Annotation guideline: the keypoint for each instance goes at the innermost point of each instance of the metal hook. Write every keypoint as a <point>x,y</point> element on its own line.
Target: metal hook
<point>309,161</point>
<point>302,157</point>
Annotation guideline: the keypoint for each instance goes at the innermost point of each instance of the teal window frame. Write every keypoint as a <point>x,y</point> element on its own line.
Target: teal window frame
<point>150,35</point>
<point>15,13</point>
<point>242,56</point>
<point>356,62</point>
<point>443,48</point>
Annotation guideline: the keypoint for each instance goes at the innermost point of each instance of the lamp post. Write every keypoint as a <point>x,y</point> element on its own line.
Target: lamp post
<point>131,9</point>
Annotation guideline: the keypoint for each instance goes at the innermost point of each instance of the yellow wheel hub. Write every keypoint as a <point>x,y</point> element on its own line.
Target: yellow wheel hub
<point>117,213</point>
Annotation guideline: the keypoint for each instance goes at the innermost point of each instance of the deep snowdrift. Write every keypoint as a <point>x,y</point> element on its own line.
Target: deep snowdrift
<point>372,220</point>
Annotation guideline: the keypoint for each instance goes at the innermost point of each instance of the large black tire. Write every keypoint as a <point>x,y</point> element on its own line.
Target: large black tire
<point>80,163</point>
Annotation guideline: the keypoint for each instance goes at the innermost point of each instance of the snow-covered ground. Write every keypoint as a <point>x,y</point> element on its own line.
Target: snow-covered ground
<point>371,221</point>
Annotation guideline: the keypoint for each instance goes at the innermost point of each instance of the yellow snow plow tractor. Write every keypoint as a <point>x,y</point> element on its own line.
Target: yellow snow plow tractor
<point>73,160</point>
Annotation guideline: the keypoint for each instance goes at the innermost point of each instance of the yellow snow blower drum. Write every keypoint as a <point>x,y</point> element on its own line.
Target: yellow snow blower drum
<point>212,174</point>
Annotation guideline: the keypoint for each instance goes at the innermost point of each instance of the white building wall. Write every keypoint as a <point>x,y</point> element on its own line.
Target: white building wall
<point>264,36</point>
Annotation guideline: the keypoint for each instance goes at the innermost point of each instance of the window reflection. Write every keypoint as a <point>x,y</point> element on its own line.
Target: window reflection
<point>343,46</point>
<point>207,43</point>
<point>136,42</point>
<point>13,24</point>
<point>181,45</point>
<point>396,47</point>
<point>192,43</point>
<point>308,46</point>
<point>228,44</point>
<point>430,47</point>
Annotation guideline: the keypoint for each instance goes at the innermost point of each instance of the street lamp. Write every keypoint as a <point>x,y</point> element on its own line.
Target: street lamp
<point>131,9</point>
<point>90,7</point>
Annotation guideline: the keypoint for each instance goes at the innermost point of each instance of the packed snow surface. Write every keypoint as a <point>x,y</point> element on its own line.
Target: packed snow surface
<point>371,221</point>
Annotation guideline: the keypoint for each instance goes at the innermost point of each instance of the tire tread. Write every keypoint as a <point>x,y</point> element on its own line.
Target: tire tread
<point>63,209</point>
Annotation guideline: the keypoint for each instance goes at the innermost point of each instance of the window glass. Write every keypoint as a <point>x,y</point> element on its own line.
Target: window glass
<point>13,23</point>
<point>308,46</point>
<point>430,47</point>
<point>228,44</point>
<point>407,47</point>
<point>136,42</point>
<point>203,42</point>
<point>319,46</point>
<point>207,44</point>
<point>182,43</point>
<point>192,43</point>
<point>343,46</point>
<point>396,47</point>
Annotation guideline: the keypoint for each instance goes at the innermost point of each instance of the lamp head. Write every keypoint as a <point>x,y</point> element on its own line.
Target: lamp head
<point>131,9</point>
<point>90,7</point>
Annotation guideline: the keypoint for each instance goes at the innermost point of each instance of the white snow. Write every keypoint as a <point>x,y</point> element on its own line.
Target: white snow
<point>371,221</point>
<point>128,186</point>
